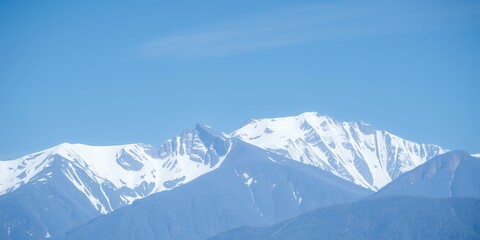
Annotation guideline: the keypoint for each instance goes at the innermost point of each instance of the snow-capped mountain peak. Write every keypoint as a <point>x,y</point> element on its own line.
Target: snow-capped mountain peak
<point>352,150</point>
<point>114,176</point>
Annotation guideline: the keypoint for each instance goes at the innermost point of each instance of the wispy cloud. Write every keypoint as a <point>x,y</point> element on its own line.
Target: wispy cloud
<point>306,23</point>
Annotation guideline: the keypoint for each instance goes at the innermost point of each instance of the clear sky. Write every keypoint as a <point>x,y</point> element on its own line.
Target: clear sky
<point>116,72</point>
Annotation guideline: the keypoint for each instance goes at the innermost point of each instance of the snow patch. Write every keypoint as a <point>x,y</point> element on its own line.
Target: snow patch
<point>248,180</point>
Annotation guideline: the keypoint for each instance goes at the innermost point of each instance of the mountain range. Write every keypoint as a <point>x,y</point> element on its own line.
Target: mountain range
<point>205,182</point>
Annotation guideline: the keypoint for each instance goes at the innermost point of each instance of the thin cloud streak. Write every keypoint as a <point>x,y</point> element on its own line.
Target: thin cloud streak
<point>302,24</point>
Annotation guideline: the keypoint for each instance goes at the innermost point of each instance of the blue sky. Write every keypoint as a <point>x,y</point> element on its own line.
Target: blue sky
<point>115,72</point>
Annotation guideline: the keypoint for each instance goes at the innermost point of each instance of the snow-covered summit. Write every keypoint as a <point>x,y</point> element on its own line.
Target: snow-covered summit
<point>114,176</point>
<point>96,159</point>
<point>352,150</point>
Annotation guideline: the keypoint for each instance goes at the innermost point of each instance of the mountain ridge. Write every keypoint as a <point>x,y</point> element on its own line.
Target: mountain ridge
<point>133,157</point>
<point>75,185</point>
<point>351,150</point>
<point>453,174</point>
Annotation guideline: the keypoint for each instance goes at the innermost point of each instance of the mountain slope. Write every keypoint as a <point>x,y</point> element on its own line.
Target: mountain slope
<point>399,210</point>
<point>47,193</point>
<point>354,151</point>
<point>252,187</point>
<point>40,211</point>
<point>382,218</point>
<point>453,174</point>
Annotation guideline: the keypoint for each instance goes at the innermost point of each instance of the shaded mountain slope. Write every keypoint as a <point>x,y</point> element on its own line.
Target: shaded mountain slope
<point>251,187</point>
